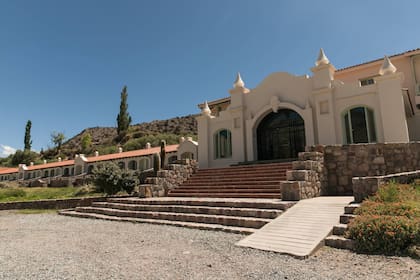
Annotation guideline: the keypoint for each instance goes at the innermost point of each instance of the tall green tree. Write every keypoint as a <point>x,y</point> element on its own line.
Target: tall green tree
<point>57,138</point>
<point>27,140</point>
<point>86,142</point>
<point>123,118</point>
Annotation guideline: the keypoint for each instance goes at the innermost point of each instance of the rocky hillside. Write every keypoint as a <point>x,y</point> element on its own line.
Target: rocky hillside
<point>104,138</point>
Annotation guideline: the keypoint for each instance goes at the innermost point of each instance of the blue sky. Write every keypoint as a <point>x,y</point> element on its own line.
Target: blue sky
<point>63,63</point>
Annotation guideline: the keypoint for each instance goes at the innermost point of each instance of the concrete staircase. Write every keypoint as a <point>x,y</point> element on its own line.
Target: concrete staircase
<point>230,215</point>
<point>337,239</point>
<point>246,181</point>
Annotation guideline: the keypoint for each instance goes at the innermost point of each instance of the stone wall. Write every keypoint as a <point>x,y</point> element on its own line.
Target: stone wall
<point>367,186</point>
<point>343,162</point>
<point>306,179</point>
<point>167,179</point>
<point>51,203</point>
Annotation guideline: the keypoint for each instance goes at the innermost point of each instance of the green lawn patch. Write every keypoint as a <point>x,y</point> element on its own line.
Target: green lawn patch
<point>389,221</point>
<point>28,194</point>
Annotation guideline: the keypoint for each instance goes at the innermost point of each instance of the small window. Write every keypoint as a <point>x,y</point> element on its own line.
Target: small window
<point>223,144</point>
<point>132,165</point>
<point>144,164</point>
<point>359,125</point>
<point>367,81</point>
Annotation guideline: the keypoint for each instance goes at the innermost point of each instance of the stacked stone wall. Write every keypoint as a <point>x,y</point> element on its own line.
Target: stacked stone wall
<point>343,162</point>
<point>167,179</point>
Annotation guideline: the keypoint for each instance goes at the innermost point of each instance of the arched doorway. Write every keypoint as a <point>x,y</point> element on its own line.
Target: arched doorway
<point>281,135</point>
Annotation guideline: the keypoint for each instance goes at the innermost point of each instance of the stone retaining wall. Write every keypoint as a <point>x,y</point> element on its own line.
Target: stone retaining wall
<point>167,179</point>
<point>343,162</point>
<point>51,203</point>
<point>306,179</point>
<point>367,186</point>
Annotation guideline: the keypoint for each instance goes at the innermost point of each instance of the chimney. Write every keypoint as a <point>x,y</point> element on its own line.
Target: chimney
<point>181,140</point>
<point>148,145</point>
<point>59,159</point>
<point>96,153</point>
<point>120,150</point>
<point>189,139</point>
<point>31,163</point>
<point>45,161</point>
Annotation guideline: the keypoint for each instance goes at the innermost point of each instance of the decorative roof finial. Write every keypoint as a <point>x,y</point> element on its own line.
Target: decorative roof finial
<point>322,58</point>
<point>238,82</point>
<point>206,110</point>
<point>387,67</point>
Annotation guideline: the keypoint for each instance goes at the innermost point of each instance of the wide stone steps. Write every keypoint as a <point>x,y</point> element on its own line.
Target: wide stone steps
<point>227,195</point>
<point>233,215</point>
<point>217,227</point>
<point>222,202</point>
<point>227,211</point>
<point>257,180</point>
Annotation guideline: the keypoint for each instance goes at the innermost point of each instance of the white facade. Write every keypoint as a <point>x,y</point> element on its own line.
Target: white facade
<point>285,113</point>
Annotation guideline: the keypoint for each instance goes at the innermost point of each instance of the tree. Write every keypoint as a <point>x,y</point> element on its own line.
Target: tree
<point>57,138</point>
<point>86,142</point>
<point>27,140</point>
<point>25,157</point>
<point>123,118</point>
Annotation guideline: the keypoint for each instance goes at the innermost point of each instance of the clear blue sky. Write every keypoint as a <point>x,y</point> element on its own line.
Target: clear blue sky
<point>63,63</point>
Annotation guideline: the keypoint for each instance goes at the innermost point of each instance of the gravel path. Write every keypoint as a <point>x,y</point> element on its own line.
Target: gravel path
<point>48,246</point>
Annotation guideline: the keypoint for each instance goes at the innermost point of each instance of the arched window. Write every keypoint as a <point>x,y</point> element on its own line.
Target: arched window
<point>121,164</point>
<point>132,165</point>
<point>45,173</point>
<point>223,144</point>
<point>359,125</point>
<point>52,173</point>
<point>172,159</point>
<point>143,164</point>
<point>66,172</point>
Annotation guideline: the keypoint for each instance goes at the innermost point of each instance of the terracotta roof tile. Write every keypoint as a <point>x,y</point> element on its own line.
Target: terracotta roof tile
<point>8,170</point>
<point>51,165</point>
<point>136,153</point>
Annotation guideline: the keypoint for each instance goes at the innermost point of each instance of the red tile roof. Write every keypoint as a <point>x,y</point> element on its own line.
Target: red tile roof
<point>8,170</point>
<point>136,153</point>
<point>51,165</point>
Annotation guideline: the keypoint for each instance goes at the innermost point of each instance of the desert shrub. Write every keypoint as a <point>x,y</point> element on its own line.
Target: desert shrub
<point>384,234</point>
<point>393,192</point>
<point>405,209</point>
<point>107,178</point>
<point>110,179</point>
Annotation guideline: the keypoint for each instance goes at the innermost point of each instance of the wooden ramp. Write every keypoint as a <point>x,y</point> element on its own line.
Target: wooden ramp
<point>301,230</point>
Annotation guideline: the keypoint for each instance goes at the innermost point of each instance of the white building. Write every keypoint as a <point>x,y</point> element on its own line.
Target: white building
<point>285,113</point>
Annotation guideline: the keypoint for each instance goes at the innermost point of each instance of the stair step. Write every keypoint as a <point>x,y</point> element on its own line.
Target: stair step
<point>339,242</point>
<point>231,229</point>
<point>349,209</point>
<point>223,190</point>
<point>241,172</point>
<point>227,211</point>
<point>187,187</point>
<point>339,229</point>
<point>346,218</point>
<point>249,222</point>
<point>234,203</point>
<point>227,195</point>
<point>233,183</point>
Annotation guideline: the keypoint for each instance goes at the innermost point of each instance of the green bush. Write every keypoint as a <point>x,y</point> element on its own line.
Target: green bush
<point>384,234</point>
<point>405,209</point>
<point>110,179</point>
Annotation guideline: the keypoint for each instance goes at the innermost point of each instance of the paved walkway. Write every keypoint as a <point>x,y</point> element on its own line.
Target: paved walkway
<point>301,229</point>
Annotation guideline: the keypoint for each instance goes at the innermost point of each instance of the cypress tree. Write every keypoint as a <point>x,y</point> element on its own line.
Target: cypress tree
<point>123,118</point>
<point>27,140</point>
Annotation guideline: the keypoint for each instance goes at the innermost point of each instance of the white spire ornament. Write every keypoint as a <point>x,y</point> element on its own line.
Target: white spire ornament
<point>387,67</point>
<point>206,110</point>
<point>322,58</point>
<point>238,82</point>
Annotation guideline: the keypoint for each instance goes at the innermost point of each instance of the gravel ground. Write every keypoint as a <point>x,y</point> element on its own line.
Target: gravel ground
<point>48,246</point>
